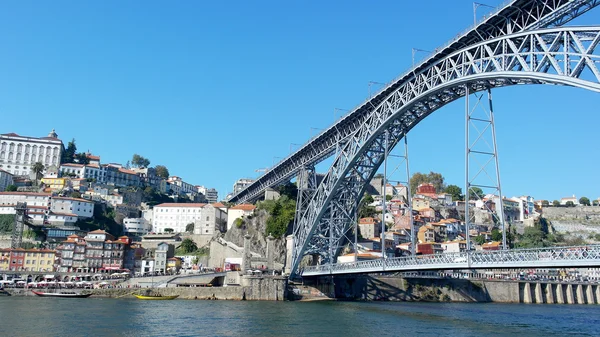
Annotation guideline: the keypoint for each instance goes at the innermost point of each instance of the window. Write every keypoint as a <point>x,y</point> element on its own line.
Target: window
<point>207,218</point>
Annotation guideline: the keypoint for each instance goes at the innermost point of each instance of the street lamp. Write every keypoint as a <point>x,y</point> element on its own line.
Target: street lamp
<point>414,51</point>
<point>371,83</point>
<point>335,110</point>
<point>316,129</point>
<point>292,144</point>
<point>475,6</point>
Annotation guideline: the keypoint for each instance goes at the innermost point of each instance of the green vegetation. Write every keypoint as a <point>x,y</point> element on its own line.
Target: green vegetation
<point>281,215</point>
<point>570,204</point>
<point>189,227</point>
<point>456,192</point>
<point>75,194</point>
<point>11,188</point>
<point>82,158</point>
<point>239,222</point>
<point>290,190</point>
<point>545,203</point>
<point>68,155</point>
<point>139,161</point>
<point>436,179</point>
<point>104,218</point>
<point>169,230</point>
<point>7,222</point>
<point>584,201</point>
<point>37,169</point>
<point>153,197</point>
<point>475,193</point>
<point>496,235</point>
<point>556,203</point>
<point>480,239</point>
<point>188,246</point>
<point>537,236</point>
<point>364,210</point>
<point>162,171</point>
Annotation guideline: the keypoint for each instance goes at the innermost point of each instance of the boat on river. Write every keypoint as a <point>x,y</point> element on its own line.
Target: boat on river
<point>61,294</point>
<point>155,297</point>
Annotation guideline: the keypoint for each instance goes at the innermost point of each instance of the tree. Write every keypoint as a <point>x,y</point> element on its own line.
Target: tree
<point>139,161</point>
<point>168,230</point>
<point>455,191</point>
<point>570,204</point>
<point>69,155</point>
<point>545,203</point>
<point>189,227</point>
<point>496,235</point>
<point>594,202</point>
<point>75,194</point>
<point>480,239</point>
<point>188,245</point>
<point>584,201</point>
<point>288,189</point>
<point>11,188</point>
<point>162,171</point>
<point>556,203</point>
<point>388,197</point>
<point>37,169</point>
<point>82,158</point>
<point>368,199</point>
<point>436,179</point>
<point>475,193</point>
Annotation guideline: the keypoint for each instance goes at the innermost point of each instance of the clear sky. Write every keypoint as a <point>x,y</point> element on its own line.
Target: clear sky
<point>217,90</point>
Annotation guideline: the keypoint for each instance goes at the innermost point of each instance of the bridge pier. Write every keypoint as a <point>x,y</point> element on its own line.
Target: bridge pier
<point>527,293</point>
<point>570,299</point>
<point>579,293</point>
<point>560,294</point>
<point>549,293</point>
<point>539,297</point>
<point>589,294</point>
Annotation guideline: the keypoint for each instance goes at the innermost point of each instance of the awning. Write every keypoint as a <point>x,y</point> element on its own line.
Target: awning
<point>49,276</point>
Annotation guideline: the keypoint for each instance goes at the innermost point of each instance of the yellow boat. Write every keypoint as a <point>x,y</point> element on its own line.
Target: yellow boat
<point>155,297</point>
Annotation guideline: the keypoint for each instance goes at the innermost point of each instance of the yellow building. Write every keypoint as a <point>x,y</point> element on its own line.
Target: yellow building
<point>173,264</point>
<point>38,259</point>
<point>55,183</point>
<point>4,258</point>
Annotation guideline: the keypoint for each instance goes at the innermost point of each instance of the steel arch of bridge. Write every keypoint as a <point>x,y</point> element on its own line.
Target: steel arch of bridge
<point>513,17</point>
<point>565,56</point>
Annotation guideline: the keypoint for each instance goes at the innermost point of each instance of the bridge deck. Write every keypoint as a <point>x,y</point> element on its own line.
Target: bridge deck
<point>563,257</point>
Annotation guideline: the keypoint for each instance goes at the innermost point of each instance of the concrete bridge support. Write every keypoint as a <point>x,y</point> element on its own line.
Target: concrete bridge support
<point>589,294</point>
<point>527,293</point>
<point>550,293</point>
<point>560,294</point>
<point>579,293</point>
<point>539,297</point>
<point>570,298</point>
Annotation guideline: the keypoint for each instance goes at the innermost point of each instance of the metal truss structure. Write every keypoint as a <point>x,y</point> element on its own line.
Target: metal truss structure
<point>481,151</point>
<point>516,16</point>
<point>564,56</point>
<point>556,257</point>
<point>20,217</point>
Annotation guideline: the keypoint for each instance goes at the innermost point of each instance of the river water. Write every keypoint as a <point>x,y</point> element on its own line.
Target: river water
<point>31,316</point>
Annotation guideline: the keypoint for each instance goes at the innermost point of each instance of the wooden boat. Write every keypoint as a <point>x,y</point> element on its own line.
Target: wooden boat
<point>155,297</point>
<point>61,294</point>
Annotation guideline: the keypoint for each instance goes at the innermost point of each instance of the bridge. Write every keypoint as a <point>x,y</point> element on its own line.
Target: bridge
<point>523,42</point>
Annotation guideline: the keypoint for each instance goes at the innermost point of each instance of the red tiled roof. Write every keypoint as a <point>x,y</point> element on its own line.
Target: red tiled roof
<point>26,193</point>
<point>122,170</point>
<point>244,207</point>
<point>218,205</point>
<point>73,199</point>
<point>72,165</point>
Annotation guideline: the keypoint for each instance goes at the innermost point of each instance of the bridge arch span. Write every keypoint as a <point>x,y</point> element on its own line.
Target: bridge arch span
<point>564,56</point>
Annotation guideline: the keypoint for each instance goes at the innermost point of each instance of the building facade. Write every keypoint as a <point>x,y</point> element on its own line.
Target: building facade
<point>6,179</point>
<point>175,216</point>
<point>19,153</point>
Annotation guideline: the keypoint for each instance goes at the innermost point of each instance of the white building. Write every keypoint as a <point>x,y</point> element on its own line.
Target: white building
<point>241,184</point>
<point>43,208</point>
<point>211,194</point>
<point>19,153</point>
<point>136,226</point>
<point>181,186</point>
<point>6,178</point>
<point>213,218</point>
<point>573,199</point>
<point>237,212</point>
<point>175,216</point>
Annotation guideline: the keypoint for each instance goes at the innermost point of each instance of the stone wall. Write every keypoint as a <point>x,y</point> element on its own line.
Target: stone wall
<point>581,220</point>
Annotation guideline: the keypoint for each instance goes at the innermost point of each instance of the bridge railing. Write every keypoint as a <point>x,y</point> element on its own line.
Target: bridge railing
<point>466,260</point>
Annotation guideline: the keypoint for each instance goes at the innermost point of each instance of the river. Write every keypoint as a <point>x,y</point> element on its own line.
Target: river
<point>31,316</point>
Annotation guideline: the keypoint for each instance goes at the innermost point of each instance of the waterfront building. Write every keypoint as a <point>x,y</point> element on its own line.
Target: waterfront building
<point>97,252</point>
<point>20,259</point>
<point>454,246</point>
<point>237,212</point>
<point>6,179</point>
<point>173,264</point>
<point>162,252</point>
<point>19,153</point>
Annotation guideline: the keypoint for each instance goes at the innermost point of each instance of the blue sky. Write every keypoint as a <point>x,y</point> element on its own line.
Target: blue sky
<point>218,90</point>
